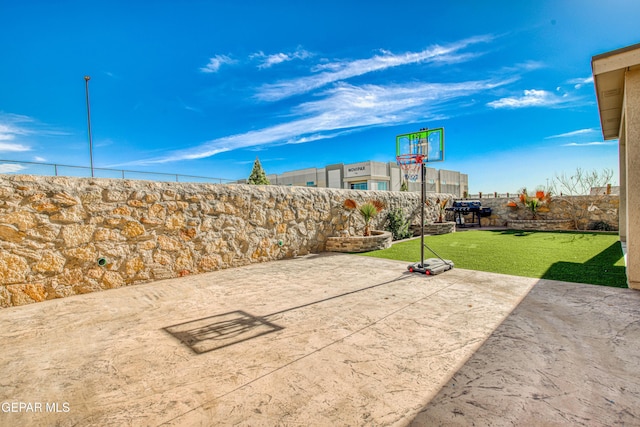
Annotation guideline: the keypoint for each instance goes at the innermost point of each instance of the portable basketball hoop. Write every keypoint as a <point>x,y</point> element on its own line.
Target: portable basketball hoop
<point>410,165</point>
<point>413,151</point>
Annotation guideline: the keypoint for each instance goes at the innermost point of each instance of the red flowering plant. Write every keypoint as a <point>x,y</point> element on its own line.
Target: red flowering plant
<point>536,202</point>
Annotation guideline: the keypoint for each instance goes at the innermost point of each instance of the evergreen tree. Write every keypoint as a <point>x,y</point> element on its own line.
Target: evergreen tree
<point>258,177</point>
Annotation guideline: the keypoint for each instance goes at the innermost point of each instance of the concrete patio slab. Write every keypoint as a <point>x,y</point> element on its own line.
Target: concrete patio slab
<point>320,340</point>
<point>567,355</point>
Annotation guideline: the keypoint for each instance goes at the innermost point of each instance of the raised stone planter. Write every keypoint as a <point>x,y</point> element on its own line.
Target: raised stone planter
<point>378,240</point>
<point>541,224</point>
<point>435,228</point>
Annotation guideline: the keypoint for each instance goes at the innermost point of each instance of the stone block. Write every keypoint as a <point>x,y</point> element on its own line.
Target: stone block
<point>77,234</point>
<point>168,243</point>
<point>22,220</point>
<point>112,279</point>
<point>26,293</point>
<point>134,266</point>
<point>13,268</point>
<point>175,221</point>
<point>132,229</point>
<point>51,262</point>
<point>65,200</point>
<point>68,216</point>
<point>10,233</point>
<point>121,210</point>
<point>112,195</point>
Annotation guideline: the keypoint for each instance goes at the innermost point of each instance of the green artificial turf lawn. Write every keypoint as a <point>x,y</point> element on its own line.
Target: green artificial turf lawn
<point>580,257</point>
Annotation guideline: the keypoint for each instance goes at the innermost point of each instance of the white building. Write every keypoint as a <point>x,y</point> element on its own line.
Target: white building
<point>372,175</point>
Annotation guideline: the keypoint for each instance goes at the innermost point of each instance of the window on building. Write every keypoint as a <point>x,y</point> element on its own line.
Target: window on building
<point>358,186</point>
<point>383,186</point>
<point>311,184</point>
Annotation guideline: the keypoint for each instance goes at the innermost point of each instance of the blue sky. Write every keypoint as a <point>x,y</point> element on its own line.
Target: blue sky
<point>203,87</point>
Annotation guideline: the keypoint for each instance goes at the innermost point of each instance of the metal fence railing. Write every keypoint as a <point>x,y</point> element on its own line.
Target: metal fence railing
<point>52,169</point>
<point>482,195</point>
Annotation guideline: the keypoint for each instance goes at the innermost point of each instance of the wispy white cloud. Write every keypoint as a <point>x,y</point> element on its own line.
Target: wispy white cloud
<point>579,132</point>
<point>589,144</point>
<point>17,130</point>
<point>343,109</point>
<point>216,62</point>
<point>12,126</point>
<point>267,61</point>
<point>343,70</point>
<point>530,65</point>
<point>188,107</point>
<point>579,82</point>
<point>10,168</point>
<point>11,147</point>
<point>531,98</point>
<point>523,66</point>
<point>267,160</point>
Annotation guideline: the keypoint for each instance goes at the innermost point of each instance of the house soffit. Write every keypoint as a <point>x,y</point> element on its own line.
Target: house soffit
<point>608,76</point>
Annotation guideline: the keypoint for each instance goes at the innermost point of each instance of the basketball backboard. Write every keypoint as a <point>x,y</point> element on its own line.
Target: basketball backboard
<point>427,144</point>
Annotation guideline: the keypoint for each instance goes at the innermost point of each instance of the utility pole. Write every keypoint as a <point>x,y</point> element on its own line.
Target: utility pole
<point>86,86</point>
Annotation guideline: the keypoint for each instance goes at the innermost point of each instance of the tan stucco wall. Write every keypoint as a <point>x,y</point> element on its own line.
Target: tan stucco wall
<point>631,138</point>
<point>622,162</point>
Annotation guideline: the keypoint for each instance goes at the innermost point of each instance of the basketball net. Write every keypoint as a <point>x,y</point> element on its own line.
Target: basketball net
<point>410,165</point>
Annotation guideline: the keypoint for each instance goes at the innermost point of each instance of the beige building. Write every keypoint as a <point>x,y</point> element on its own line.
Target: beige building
<point>616,77</point>
<point>372,175</point>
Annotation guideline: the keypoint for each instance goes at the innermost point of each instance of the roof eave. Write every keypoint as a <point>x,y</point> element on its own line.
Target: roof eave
<point>608,78</point>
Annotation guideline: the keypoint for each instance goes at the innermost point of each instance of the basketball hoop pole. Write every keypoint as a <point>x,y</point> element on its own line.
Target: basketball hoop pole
<point>413,150</point>
<point>423,197</point>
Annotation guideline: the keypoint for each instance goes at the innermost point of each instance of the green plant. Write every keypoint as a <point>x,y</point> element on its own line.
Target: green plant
<point>533,203</point>
<point>601,226</point>
<point>398,224</point>
<point>368,211</point>
<point>258,177</point>
<point>442,207</point>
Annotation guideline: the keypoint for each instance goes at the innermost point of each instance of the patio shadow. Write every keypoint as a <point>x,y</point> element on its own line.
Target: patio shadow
<point>222,330</point>
<point>599,270</point>
<point>215,332</point>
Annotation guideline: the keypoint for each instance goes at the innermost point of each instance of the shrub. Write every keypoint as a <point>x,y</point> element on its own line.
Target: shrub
<point>398,224</point>
<point>601,226</point>
<point>258,176</point>
<point>581,183</point>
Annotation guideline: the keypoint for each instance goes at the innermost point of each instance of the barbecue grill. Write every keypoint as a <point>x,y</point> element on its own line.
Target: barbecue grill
<point>460,208</point>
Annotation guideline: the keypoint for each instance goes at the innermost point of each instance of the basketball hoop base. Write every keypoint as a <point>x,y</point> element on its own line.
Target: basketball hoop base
<point>431,266</point>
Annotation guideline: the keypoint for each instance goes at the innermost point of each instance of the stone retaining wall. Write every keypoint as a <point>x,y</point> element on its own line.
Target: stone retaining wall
<point>591,210</point>
<point>352,244</point>
<point>541,224</point>
<point>437,228</point>
<point>61,236</point>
